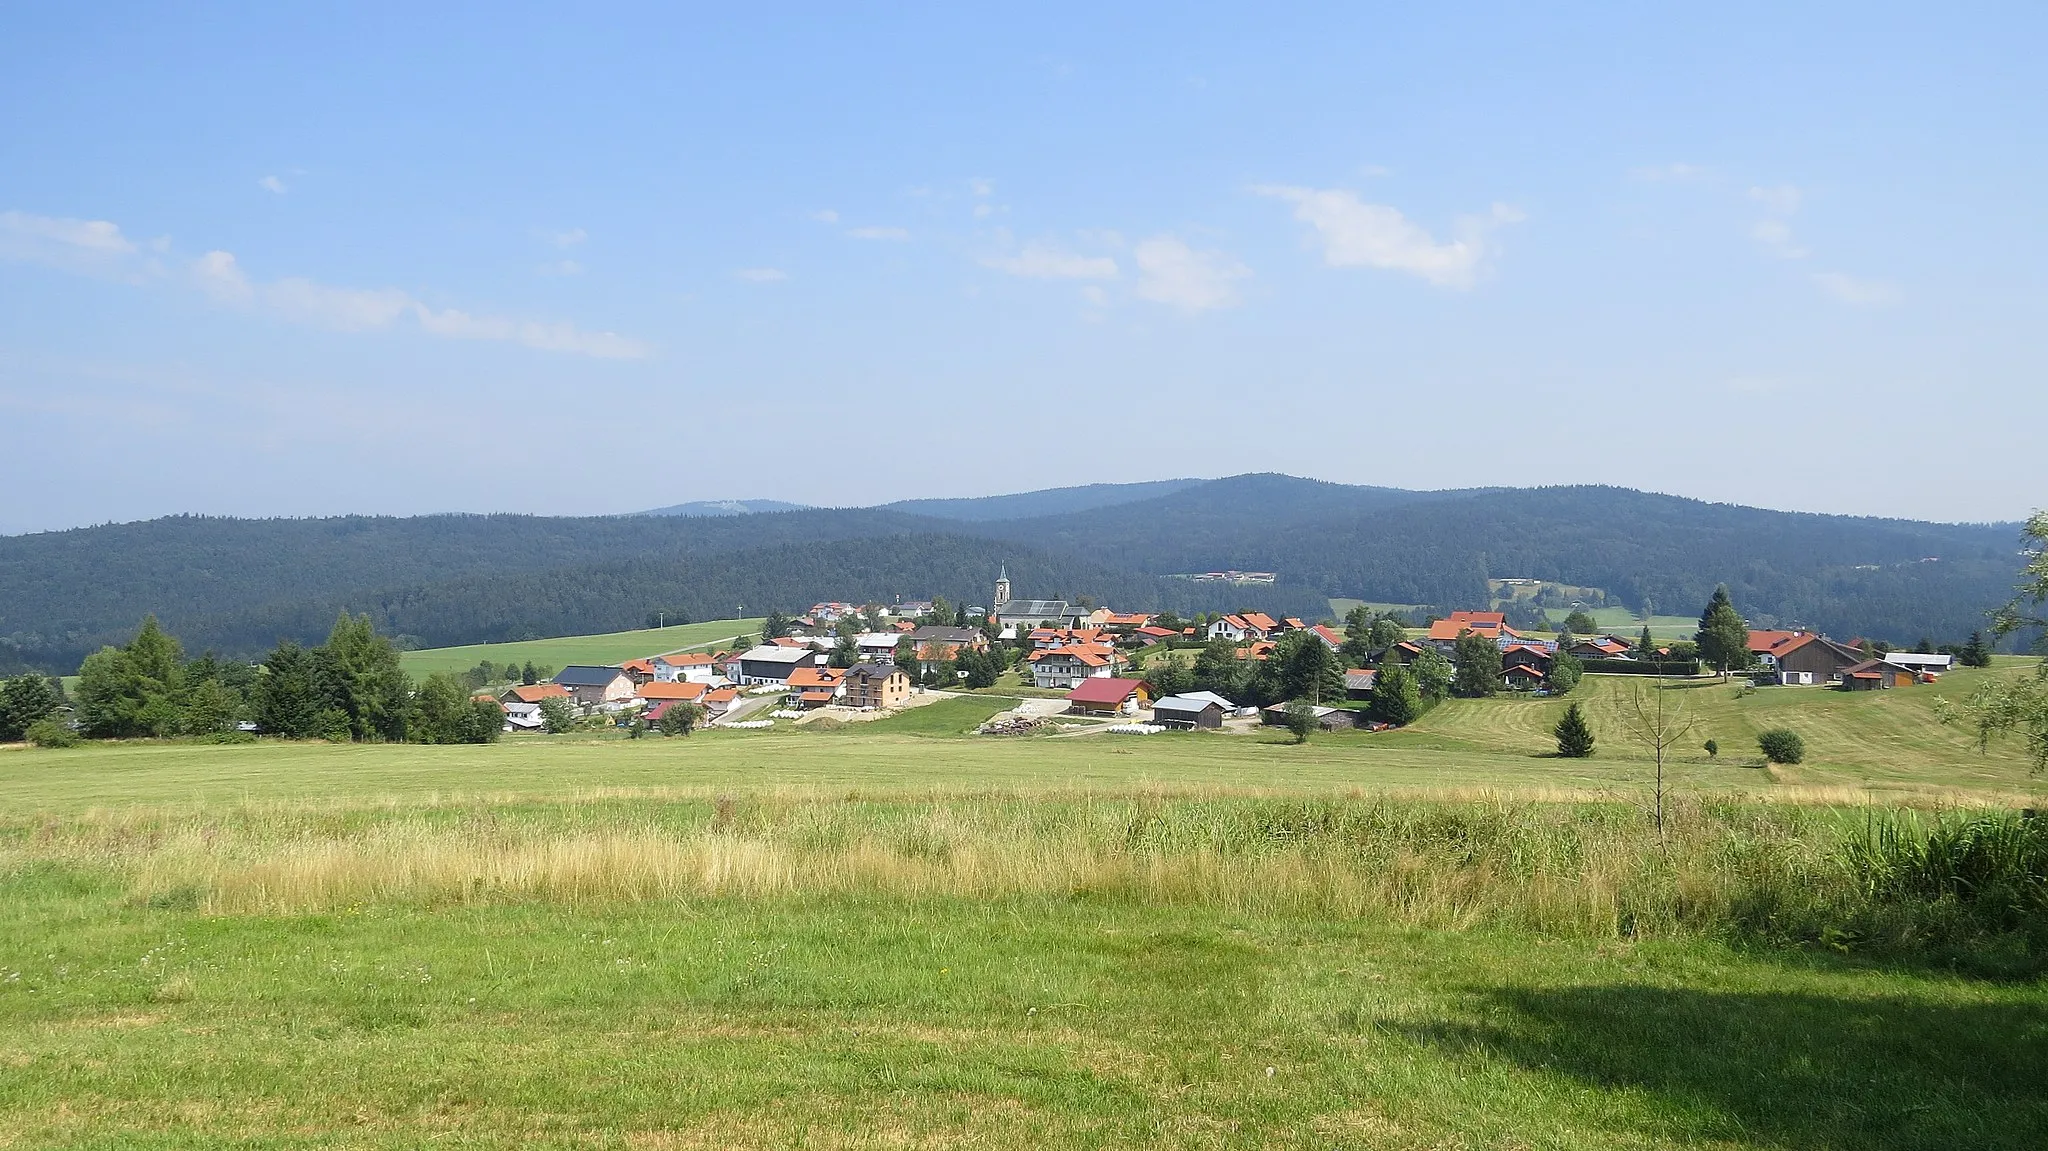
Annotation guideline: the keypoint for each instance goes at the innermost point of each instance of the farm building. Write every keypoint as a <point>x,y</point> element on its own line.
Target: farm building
<point>1358,682</point>
<point>1327,718</point>
<point>770,663</point>
<point>1196,709</point>
<point>1877,675</point>
<point>1109,696</point>
<point>1801,657</point>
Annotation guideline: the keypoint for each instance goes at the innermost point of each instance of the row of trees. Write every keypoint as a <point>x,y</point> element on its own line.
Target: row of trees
<point>349,688</point>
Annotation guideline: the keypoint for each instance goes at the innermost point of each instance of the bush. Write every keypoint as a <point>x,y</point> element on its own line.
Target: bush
<point>1713,749</point>
<point>51,732</point>
<point>1782,745</point>
<point>1676,667</point>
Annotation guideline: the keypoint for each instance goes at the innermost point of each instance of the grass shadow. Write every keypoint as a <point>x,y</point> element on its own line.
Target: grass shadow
<point>1799,1070</point>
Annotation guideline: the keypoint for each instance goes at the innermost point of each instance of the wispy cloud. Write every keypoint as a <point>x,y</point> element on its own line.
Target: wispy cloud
<point>761,275</point>
<point>1668,173</point>
<point>1774,231</point>
<point>561,268</point>
<point>981,186</point>
<point>873,233</point>
<point>1357,234</point>
<point>825,216</point>
<point>568,239</point>
<point>1170,272</point>
<point>272,184</point>
<point>1045,262</point>
<point>1857,290</point>
<point>85,247</point>
<point>97,247</point>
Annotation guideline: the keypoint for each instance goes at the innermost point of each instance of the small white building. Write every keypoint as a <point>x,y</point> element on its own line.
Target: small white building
<point>686,667</point>
<point>877,646</point>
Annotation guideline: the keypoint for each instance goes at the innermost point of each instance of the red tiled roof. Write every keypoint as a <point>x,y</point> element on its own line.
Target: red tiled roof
<point>680,659</point>
<point>1523,669</point>
<point>657,689</point>
<point>1329,635</point>
<point>1105,690</point>
<point>639,665</point>
<point>1161,632</point>
<point>1260,620</point>
<point>1486,623</point>
<point>535,692</point>
<point>816,697</point>
<point>814,676</point>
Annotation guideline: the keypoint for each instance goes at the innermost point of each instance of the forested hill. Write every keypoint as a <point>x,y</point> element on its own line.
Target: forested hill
<point>1890,579</point>
<point>1049,502</point>
<point>239,585</point>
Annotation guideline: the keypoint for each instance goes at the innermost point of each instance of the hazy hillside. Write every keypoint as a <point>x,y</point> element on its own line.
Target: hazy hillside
<point>1049,502</point>
<point>240,584</point>
<point>723,508</point>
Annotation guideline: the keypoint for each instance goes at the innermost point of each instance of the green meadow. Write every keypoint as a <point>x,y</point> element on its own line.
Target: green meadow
<point>610,648</point>
<point>895,934</point>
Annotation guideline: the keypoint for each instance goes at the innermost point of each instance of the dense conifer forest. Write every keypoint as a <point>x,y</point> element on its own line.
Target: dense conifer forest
<point>238,586</point>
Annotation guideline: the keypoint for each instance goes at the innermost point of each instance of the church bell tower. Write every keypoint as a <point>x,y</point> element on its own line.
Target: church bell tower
<point>1003,588</point>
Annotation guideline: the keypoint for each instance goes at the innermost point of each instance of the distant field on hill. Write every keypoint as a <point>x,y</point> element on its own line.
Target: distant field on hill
<point>593,649</point>
<point>1886,741</point>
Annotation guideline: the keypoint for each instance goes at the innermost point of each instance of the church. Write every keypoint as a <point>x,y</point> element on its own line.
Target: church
<point>1030,613</point>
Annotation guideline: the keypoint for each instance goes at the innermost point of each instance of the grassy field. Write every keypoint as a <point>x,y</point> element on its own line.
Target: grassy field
<point>588,649</point>
<point>893,935</point>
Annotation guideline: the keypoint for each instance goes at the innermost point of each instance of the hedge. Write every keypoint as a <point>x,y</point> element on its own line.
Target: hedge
<point>1643,666</point>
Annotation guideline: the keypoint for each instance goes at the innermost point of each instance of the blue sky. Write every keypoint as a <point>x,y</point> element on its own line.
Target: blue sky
<point>263,261</point>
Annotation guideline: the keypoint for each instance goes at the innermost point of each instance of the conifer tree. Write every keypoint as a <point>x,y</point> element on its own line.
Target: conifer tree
<point>1574,734</point>
<point>1723,637</point>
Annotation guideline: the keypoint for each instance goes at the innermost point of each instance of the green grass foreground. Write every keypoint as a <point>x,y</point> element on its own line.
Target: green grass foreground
<point>894,935</point>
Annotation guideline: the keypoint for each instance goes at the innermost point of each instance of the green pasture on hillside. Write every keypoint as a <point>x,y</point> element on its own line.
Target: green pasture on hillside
<point>610,648</point>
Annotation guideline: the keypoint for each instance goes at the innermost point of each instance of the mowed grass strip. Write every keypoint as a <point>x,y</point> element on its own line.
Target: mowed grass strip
<point>610,648</point>
<point>846,1022</point>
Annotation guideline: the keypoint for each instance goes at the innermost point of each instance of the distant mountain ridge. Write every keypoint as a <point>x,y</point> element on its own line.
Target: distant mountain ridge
<point>1046,502</point>
<point>724,508</point>
<point>238,585</point>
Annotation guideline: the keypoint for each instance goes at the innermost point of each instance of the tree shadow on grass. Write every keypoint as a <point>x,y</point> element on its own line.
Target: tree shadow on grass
<point>1797,1070</point>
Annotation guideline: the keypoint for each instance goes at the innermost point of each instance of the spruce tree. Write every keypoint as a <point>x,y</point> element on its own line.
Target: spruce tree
<point>1723,637</point>
<point>1574,734</point>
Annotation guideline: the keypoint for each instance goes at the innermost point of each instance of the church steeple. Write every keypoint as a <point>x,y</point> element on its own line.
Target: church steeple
<point>1002,587</point>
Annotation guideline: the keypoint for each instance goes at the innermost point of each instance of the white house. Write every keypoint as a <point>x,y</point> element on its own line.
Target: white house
<point>877,646</point>
<point>685,667</point>
<point>1067,667</point>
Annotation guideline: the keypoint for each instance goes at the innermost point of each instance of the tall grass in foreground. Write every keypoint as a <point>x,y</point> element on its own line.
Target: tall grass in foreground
<point>1963,884</point>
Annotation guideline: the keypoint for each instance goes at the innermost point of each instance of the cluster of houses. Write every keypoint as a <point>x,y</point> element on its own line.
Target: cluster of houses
<point>1086,652</point>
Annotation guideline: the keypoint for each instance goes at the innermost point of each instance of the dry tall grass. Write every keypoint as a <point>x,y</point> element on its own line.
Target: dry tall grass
<point>1558,865</point>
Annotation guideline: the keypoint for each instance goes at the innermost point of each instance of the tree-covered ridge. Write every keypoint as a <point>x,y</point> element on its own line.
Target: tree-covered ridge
<point>238,586</point>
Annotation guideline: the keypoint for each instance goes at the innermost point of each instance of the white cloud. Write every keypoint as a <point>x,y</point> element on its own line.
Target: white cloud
<point>1094,294</point>
<point>562,268</point>
<point>547,337</point>
<point>825,216</point>
<point>1172,273</point>
<point>982,187</point>
<point>1668,173</point>
<point>92,247</point>
<point>1043,262</point>
<point>1357,234</point>
<point>272,184</point>
<point>761,275</point>
<point>568,239</point>
<point>879,233</point>
<point>1857,290</point>
<point>220,277</point>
